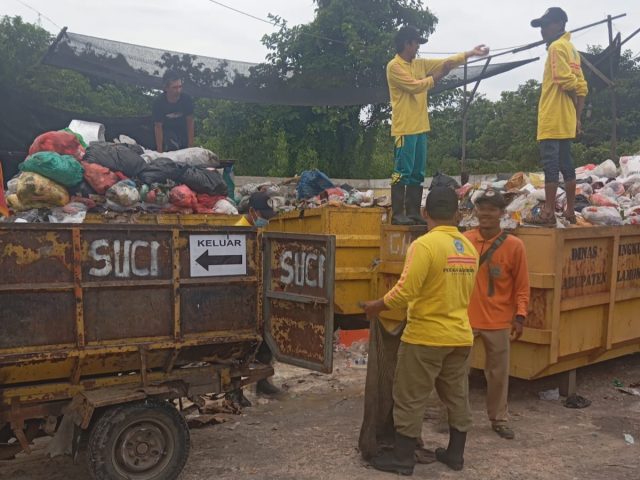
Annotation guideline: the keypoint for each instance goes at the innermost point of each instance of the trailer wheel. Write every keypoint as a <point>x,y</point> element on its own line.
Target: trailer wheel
<point>139,441</point>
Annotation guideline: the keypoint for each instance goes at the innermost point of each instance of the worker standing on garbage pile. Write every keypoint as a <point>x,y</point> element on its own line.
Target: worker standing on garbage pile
<point>561,103</point>
<point>435,287</point>
<point>409,79</point>
<point>173,116</point>
<point>499,302</point>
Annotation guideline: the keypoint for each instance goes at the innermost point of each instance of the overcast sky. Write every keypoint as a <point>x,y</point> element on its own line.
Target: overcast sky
<point>204,28</point>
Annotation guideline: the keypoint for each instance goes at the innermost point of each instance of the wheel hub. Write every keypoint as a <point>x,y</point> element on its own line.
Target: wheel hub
<point>142,447</point>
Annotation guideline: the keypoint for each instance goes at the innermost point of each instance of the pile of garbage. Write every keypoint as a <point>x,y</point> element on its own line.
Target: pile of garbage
<point>605,195</point>
<point>63,178</point>
<point>312,189</point>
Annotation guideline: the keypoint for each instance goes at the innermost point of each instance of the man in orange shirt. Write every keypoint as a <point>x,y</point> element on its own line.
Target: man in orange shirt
<point>499,302</point>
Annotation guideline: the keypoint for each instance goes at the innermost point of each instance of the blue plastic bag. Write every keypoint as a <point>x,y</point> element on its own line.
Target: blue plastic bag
<point>312,183</point>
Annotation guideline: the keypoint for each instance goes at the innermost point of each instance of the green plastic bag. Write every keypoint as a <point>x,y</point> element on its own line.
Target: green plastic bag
<point>78,136</point>
<point>62,169</point>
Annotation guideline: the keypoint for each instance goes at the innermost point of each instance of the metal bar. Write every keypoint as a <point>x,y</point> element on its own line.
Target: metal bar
<point>630,37</point>
<point>38,287</point>
<point>613,287</point>
<point>175,280</point>
<point>464,121</point>
<point>542,42</point>
<point>293,297</point>
<point>598,73</point>
<point>614,101</point>
<point>9,358</point>
<point>77,280</point>
<point>143,365</point>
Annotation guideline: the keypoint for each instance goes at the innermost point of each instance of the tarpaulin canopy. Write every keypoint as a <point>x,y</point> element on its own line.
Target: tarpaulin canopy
<point>215,77</point>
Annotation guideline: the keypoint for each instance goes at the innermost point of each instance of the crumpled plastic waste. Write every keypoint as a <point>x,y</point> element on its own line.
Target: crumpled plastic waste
<point>602,215</point>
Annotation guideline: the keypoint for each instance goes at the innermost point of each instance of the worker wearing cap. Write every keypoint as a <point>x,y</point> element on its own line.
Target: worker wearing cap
<point>499,302</point>
<point>435,287</point>
<point>561,103</point>
<point>409,79</point>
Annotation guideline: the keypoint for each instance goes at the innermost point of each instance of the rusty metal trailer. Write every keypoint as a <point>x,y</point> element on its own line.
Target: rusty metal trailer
<point>102,325</point>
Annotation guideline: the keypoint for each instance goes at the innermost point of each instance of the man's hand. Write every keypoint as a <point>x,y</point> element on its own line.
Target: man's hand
<point>516,327</point>
<point>373,308</point>
<point>478,51</point>
<point>578,127</point>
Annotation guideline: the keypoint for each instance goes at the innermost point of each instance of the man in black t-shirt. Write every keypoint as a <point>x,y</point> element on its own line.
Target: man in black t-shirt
<point>173,116</point>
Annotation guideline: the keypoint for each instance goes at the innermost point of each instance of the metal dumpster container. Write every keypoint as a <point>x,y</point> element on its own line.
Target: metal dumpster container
<point>357,233</point>
<point>107,322</point>
<point>585,294</point>
<point>585,290</point>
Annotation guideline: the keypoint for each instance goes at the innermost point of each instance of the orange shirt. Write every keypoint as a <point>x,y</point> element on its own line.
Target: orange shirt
<point>510,283</point>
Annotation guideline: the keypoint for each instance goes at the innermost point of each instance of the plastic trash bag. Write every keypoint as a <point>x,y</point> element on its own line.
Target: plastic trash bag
<point>606,169</point>
<point>225,207</point>
<point>194,156</point>
<point>601,200</point>
<point>12,185</point>
<point>204,180</point>
<point>312,183</point>
<point>630,165</point>
<point>36,191</point>
<point>63,143</point>
<point>73,212</point>
<point>159,170</point>
<point>182,196</point>
<point>602,215</point>
<point>117,157</point>
<point>100,178</point>
<point>62,169</point>
<point>123,194</point>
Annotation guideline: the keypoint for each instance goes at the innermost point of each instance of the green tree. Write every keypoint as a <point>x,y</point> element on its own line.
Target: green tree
<point>22,46</point>
<point>347,44</point>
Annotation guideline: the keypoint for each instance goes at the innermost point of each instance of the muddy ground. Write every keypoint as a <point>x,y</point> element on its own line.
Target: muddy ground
<point>312,434</point>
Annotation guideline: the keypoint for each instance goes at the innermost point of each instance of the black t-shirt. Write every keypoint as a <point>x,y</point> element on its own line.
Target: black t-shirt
<point>173,117</point>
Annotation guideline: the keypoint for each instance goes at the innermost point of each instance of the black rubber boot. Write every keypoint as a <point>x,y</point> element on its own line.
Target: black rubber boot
<point>453,456</point>
<point>265,387</point>
<point>397,206</point>
<point>412,204</point>
<point>400,460</point>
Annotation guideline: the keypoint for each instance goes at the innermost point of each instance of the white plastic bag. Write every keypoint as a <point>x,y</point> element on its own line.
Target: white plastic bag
<point>602,215</point>
<point>606,169</point>
<point>630,165</point>
<point>123,195</point>
<point>73,212</point>
<point>194,156</point>
<point>12,185</point>
<point>225,207</point>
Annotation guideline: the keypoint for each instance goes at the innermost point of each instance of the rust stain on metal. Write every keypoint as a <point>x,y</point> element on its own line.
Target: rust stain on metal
<point>50,246</point>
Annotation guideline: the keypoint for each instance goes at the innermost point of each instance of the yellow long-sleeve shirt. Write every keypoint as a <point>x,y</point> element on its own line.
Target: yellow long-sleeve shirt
<point>409,83</point>
<point>562,75</point>
<point>436,286</point>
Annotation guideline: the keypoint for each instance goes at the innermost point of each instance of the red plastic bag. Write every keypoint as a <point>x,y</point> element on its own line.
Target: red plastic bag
<point>99,177</point>
<point>208,201</point>
<point>183,196</point>
<point>63,143</point>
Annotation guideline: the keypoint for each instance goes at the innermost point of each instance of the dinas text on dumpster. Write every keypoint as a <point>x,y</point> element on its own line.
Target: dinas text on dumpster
<point>303,269</point>
<point>631,274</point>
<point>121,258</point>
<point>586,280</point>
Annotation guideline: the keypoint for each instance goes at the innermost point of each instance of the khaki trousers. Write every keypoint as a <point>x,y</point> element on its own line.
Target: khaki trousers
<point>419,369</point>
<point>497,345</point>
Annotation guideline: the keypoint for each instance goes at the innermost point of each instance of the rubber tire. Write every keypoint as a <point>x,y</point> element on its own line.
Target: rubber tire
<point>104,434</point>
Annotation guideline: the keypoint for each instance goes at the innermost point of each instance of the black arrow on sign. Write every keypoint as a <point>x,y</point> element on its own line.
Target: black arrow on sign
<point>205,260</point>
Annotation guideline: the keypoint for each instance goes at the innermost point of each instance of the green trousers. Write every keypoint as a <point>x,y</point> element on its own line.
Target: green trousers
<point>419,370</point>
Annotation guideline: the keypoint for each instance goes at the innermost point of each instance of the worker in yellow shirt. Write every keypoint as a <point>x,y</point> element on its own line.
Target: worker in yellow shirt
<point>561,103</point>
<point>435,287</point>
<point>409,79</point>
